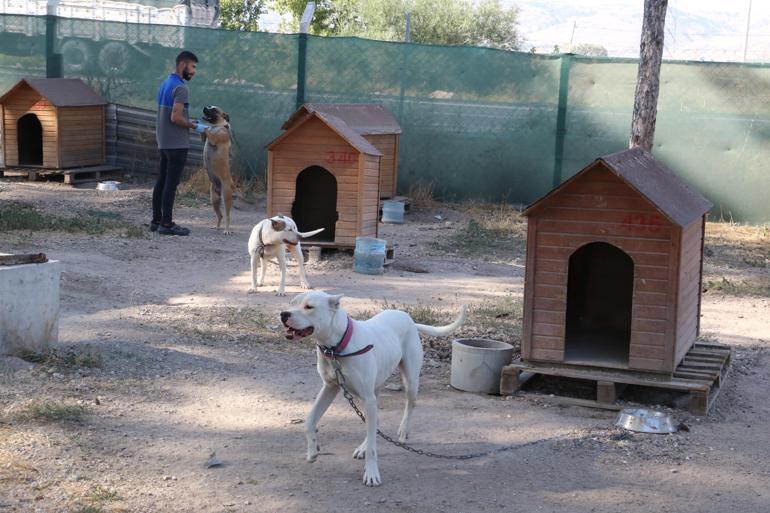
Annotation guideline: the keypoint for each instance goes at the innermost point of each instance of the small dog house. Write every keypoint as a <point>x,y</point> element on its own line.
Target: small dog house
<point>614,267</point>
<point>52,123</point>
<point>325,173</point>
<point>374,123</point>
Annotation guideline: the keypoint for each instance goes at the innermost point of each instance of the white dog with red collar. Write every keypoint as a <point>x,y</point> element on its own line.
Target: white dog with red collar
<point>367,352</point>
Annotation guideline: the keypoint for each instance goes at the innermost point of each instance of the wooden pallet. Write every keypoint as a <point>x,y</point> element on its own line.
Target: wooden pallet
<point>90,174</point>
<point>390,251</point>
<point>71,176</point>
<point>700,374</point>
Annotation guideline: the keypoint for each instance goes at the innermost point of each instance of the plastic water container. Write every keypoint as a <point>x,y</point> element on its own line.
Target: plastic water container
<point>369,255</point>
<point>393,211</point>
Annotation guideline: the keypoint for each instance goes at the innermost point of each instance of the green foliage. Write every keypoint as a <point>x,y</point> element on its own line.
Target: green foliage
<point>460,22</point>
<point>241,14</point>
<point>590,50</point>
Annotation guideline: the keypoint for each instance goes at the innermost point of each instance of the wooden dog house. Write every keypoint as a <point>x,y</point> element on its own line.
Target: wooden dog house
<point>614,267</point>
<point>374,123</point>
<point>324,173</point>
<point>52,123</point>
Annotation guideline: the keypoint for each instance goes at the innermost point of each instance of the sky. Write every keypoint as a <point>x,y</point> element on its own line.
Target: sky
<point>695,29</point>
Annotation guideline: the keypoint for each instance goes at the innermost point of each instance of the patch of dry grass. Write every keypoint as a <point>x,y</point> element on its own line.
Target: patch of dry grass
<point>194,188</point>
<point>421,195</point>
<point>211,326</point>
<point>494,232</point>
<point>735,287</point>
<point>737,259</point>
<point>744,245</point>
<point>75,358</point>
<point>50,411</point>
<point>498,319</point>
<point>16,216</point>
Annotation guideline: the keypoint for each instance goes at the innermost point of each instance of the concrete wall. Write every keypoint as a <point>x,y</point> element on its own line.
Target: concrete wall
<point>29,306</point>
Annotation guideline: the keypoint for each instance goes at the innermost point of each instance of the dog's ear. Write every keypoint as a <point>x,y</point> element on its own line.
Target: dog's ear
<point>334,302</point>
<point>227,116</point>
<point>278,225</point>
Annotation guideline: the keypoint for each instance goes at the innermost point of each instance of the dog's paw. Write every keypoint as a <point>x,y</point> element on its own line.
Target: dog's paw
<point>228,232</point>
<point>360,452</point>
<point>305,285</point>
<point>252,290</point>
<point>403,435</point>
<point>372,477</point>
<point>280,293</point>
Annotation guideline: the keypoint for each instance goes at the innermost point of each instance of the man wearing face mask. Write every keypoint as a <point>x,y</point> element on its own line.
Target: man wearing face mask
<point>173,136</point>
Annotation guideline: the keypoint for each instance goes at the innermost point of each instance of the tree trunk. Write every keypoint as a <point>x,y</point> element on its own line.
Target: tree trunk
<point>648,79</point>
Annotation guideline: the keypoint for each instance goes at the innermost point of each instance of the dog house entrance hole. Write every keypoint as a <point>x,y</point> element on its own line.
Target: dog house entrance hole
<point>30,136</point>
<point>315,203</point>
<point>600,287</point>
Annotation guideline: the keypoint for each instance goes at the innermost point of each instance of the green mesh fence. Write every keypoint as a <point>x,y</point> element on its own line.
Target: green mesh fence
<point>477,123</point>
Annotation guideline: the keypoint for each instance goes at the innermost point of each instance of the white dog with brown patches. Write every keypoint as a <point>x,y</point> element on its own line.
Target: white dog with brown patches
<point>269,239</point>
<point>367,352</point>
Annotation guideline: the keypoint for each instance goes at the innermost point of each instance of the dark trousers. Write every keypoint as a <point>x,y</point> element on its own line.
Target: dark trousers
<point>171,165</point>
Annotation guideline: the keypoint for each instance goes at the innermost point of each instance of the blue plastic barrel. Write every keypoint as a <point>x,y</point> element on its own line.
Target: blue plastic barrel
<point>369,255</point>
<point>393,211</point>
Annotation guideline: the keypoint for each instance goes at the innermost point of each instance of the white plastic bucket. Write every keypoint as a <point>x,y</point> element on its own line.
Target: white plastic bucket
<point>477,364</point>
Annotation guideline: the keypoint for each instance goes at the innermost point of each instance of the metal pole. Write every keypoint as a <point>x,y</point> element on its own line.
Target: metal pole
<point>561,119</point>
<point>404,59</point>
<point>746,38</point>
<point>304,25</point>
<point>53,61</point>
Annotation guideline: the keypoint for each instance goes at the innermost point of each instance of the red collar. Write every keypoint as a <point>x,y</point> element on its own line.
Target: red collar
<point>334,352</point>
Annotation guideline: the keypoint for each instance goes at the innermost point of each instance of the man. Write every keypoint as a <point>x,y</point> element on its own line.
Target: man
<point>172,133</point>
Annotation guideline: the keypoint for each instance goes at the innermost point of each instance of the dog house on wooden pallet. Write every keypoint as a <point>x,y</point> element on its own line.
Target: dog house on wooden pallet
<point>613,284</point>
<point>324,173</point>
<point>52,123</point>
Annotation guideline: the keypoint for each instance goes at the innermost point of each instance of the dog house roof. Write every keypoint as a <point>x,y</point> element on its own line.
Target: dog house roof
<point>61,92</point>
<point>339,126</point>
<point>650,178</point>
<point>364,118</point>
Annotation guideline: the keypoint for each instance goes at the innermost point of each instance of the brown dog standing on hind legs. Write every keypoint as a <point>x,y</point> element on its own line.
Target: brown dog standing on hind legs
<point>216,158</point>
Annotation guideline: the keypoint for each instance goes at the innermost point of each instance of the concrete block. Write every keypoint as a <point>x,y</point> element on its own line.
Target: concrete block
<point>29,306</point>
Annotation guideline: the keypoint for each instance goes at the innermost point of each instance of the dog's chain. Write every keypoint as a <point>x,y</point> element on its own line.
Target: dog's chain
<point>346,393</point>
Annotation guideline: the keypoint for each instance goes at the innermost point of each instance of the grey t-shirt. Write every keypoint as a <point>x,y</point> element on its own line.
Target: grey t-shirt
<point>171,136</point>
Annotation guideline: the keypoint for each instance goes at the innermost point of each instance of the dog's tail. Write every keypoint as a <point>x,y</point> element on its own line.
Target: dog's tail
<point>442,331</point>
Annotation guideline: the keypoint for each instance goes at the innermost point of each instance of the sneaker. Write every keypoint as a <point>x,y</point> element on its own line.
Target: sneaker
<point>174,229</point>
<point>154,226</point>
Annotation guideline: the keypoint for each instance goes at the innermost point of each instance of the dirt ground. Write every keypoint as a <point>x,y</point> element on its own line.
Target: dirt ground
<point>165,359</point>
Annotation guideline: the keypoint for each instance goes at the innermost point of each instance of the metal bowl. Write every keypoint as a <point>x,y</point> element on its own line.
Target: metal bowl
<point>645,421</point>
<point>108,185</point>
